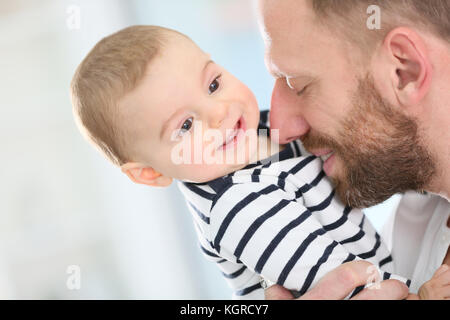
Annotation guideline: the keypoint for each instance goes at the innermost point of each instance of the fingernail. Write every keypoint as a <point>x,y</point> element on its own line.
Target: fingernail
<point>266,283</point>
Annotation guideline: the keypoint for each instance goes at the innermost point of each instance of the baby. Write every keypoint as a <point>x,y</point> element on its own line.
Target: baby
<point>158,107</point>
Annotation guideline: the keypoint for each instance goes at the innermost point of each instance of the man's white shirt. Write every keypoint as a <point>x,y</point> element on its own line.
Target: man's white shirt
<point>418,236</point>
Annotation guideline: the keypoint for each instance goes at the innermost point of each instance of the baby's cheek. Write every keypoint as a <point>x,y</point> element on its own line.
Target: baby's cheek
<point>250,97</point>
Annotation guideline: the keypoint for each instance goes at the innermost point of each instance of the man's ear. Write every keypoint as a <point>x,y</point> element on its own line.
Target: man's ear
<point>411,70</point>
<point>142,174</point>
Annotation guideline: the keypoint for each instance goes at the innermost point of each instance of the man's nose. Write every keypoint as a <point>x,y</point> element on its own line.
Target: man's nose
<point>286,113</point>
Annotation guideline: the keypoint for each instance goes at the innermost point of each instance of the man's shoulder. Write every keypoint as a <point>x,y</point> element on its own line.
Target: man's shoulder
<point>409,218</point>
<point>414,205</point>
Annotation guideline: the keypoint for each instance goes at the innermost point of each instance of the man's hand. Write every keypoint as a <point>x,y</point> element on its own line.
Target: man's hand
<point>438,288</point>
<point>340,282</point>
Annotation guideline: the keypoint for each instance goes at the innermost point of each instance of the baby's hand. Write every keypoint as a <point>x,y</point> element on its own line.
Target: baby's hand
<point>438,288</point>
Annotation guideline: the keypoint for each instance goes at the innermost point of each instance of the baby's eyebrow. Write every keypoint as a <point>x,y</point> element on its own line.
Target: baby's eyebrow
<point>166,123</point>
<point>207,64</point>
<point>204,69</point>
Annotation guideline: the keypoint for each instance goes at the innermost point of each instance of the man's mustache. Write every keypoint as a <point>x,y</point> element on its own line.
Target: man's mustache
<point>315,141</point>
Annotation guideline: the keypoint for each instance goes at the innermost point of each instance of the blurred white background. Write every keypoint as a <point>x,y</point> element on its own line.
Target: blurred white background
<point>62,203</point>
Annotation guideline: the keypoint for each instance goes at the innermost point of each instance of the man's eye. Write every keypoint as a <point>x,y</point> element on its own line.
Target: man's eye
<point>214,85</point>
<point>299,93</point>
<point>187,125</point>
<point>292,87</point>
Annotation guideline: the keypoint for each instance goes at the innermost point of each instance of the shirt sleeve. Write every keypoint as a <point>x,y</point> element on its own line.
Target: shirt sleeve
<point>244,282</point>
<point>273,236</point>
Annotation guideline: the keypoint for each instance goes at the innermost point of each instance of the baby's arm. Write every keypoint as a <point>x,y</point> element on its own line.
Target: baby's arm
<point>438,288</point>
<point>244,282</point>
<point>277,238</point>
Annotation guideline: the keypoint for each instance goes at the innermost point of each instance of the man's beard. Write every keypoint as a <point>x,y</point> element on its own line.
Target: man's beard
<point>379,148</point>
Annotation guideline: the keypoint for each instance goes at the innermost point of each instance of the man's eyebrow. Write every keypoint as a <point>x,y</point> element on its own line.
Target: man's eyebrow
<point>274,71</point>
<point>276,74</point>
<point>279,71</point>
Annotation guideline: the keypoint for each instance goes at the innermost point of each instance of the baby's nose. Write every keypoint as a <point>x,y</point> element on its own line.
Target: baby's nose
<point>218,114</point>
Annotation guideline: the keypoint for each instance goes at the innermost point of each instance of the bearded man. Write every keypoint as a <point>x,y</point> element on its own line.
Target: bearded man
<point>375,104</point>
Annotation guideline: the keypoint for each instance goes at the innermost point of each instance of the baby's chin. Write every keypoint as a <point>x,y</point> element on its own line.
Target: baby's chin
<point>206,173</point>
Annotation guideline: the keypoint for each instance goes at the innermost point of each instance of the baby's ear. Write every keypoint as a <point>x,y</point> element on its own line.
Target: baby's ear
<point>141,174</point>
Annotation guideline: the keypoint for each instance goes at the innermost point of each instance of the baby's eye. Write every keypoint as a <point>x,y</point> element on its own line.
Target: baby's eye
<point>186,126</point>
<point>214,85</point>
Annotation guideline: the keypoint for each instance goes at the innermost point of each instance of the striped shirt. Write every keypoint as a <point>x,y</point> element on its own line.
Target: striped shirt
<point>280,221</point>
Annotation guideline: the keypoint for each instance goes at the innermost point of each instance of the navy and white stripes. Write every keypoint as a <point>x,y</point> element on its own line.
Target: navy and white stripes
<point>281,222</point>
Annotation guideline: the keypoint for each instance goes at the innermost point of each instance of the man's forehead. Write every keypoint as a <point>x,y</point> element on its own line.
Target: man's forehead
<point>282,57</point>
<point>290,35</point>
<point>279,14</point>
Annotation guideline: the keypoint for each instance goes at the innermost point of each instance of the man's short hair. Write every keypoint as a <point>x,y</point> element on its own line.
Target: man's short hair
<point>350,16</point>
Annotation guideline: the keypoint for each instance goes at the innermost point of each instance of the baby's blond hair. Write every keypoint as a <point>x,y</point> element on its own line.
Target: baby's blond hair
<point>111,69</point>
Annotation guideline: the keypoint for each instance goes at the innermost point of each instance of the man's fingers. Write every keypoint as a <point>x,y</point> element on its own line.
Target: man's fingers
<point>445,292</point>
<point>340,282</point>
<point>444,278</point>
<point>277,292</point>
<point>442,269</point>
<point>385,290</point>
<point>412,296</point>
